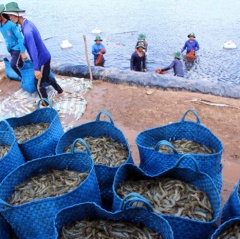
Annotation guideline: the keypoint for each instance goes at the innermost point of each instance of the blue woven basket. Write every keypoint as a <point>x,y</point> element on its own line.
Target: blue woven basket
<point>232,206</point>
<point>105,174</point>
<point>13,158</point>
<point>44,144</point>
<point>4,126</point>
<point>5,229</point>
<point>182,227</point>
<point>36,219</point>
<point>133,215</point>
<point>10,73</point>
<point>152,161</point>
<point>225,225</point>
<point>28,78</point>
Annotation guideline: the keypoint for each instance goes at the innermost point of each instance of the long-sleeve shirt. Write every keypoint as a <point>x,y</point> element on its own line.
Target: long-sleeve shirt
<point>33,42</point>
<point>177,68</point>
<point>138,63</point>
<point>12,36</point>
<point>97,48</point>
<point>190,46</point>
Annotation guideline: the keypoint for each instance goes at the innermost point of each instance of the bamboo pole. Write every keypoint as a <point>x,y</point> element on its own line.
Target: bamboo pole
<point>86,53</point>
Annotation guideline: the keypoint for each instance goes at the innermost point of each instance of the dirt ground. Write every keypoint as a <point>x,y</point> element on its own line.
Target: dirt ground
<point>135,109</point>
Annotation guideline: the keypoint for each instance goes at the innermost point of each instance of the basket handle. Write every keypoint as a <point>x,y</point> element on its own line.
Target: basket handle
<point>107,114</point>
<point>83,142</point>
<point>166,143</point>
<point>45,99</point>
<point>9,126</point>
<point>3,203</point>
<point>131,198</point>
<point>189,156</point>
<point>194,112</point>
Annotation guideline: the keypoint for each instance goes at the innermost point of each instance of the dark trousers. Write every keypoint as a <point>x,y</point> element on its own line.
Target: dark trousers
<point>16,61</point>
<point>41,89</point>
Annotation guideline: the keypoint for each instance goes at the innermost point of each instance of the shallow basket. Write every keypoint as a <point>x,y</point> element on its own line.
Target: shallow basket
<point>45,143</point>
<point>232,206</point>
<point>225,225</point>
<point>133,215</point>
<point>105,174</point>
<point>13,158</point>
<point>182,227</point>
<point>152,161</point>
<point>35,219</point>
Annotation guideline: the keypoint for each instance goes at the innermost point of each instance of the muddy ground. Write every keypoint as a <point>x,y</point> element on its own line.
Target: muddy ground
<point>135,109</point>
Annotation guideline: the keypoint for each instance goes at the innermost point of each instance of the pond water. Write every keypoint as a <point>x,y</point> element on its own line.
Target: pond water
<point>166,23</point>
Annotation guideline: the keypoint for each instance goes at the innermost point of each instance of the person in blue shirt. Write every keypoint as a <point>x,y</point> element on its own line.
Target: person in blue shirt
<point>191,44</point>
<point>14,41</point>
<point>37,51</point>
<point>176,65</point>
<point>138,58</point>
<point>98,50</point>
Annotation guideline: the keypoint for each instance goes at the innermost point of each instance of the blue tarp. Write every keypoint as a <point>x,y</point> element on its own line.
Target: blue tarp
<point>150,79</point>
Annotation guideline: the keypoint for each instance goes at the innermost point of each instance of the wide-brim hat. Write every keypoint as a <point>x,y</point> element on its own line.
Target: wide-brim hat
<point>1,8</point>
<point>98,38</point>
<point>191,35</point>
<point>140,44</point>
<point>178,54</point>
<point>12,8</point>
<point>141,37</point>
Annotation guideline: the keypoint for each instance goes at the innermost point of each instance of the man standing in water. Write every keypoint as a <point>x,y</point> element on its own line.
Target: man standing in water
<point>38,52</point>
<point>138,59</point>
<point>98,50</point>
<point>14,41</point>
<point>191,44</point>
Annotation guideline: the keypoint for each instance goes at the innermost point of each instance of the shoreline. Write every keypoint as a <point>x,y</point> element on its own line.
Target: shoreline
<point>148,79</point>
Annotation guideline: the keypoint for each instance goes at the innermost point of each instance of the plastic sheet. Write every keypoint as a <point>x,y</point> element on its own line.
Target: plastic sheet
<point>151,79</point>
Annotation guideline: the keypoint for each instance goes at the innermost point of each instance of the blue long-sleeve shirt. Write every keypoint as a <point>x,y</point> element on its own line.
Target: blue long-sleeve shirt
<point>37,50</point>
<point>190,46</point>
<point>12,36</point>
<point>97,48</point>
<point>177,68</point>
<point>137,63</point>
